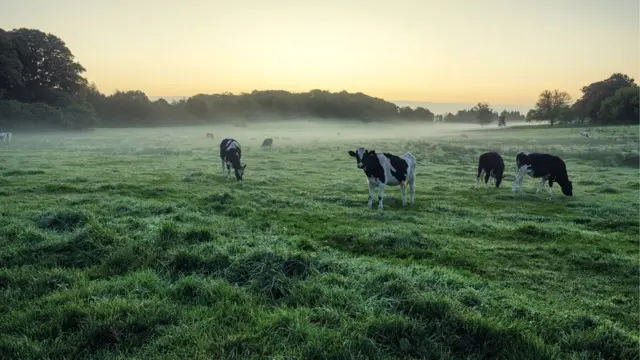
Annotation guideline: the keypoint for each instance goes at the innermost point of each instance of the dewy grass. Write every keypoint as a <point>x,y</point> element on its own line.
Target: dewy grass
<point>118,244</point>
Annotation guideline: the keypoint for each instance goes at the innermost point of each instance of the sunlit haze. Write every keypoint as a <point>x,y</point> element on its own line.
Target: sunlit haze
<point>500,51</point>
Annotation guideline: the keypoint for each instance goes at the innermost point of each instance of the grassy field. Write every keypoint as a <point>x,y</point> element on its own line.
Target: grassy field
<point>127,244</point>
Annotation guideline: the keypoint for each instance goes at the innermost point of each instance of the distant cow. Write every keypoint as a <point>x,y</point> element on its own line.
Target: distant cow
<point>492,165</point>
<point>267,143</point>
<point>464,136</point>
<point>545,166</point>
<point>230,154</point>
<point>6,136</point>
<point>386,170</point>
<point>210,135</point>
<point>584,132</point>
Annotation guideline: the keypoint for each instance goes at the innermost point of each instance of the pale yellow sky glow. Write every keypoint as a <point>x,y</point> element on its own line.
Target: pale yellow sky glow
<point>501,51</point>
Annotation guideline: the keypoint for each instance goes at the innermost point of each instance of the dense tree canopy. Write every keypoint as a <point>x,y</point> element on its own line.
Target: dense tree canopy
<point>552,106</point>
<point>594,94</point>
<point>484,113</point>
<point>42,87</point>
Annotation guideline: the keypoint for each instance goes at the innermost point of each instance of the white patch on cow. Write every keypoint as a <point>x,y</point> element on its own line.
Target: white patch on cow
<point>550,190</point>
<point>360,153</point>
<point>232,145</point>
<point>524,169</point>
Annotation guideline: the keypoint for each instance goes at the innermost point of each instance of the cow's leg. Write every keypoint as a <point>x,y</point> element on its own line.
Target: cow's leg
<point>222,161</point>
<point>372,188</point>
<point>228,171</point>
<point>542,181</point>
<point>381,187</point>
<point>412,189</point>
<point>551,185</point>
<point>519,177</point>
<point>403,189</point>
<point>480,171</point>
<point>487,176</point>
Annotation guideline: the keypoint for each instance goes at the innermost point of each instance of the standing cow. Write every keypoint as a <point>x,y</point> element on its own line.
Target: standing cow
<point>545,166</point>
<point>5,136</point>
<point>230,154</point>
<point>492,165</point>
<point>386,170</point>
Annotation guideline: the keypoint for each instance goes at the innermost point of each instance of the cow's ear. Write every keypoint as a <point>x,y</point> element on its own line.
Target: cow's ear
<point>372,152</point>
<point>351,153</point>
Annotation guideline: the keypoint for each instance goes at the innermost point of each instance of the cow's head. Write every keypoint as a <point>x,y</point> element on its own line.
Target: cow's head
<point>362,155</point>
<point>239,172</point>
<point>567,188</point>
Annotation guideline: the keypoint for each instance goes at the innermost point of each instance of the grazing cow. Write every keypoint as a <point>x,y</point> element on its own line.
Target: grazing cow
<point>230,154</point>
<point>492,165</point>
<point>386,170</point>
<point>5,136</point>
<point>210,135</point>
<point>539,165</point>
<point>267,143</point>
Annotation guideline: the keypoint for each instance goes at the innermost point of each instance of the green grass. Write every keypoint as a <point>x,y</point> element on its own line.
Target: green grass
<point>116,245</point>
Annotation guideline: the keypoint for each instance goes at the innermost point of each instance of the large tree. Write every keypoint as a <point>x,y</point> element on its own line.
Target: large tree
<point>622,107</point>
<point>484,114</point>
<point>595,93</point>
<point>552,106</point>
<point>502,119</point>
<point>47,64</point>
<point>10,65</point>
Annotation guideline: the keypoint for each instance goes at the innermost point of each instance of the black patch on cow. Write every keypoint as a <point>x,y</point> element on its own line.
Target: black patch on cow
<point>491,161</point>
<point>400,165</point>
<point>547,166</point>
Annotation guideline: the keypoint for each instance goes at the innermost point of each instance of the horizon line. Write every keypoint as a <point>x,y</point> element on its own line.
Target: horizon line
<point>394,101</point>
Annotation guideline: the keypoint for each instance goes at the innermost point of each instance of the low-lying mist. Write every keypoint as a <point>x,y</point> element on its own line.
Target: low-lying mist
<point>303,131</point>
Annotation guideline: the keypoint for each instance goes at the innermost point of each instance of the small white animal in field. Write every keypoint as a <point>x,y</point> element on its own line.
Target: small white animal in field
<point>387,170</point>
<point>584,132</point>
<point>5,136</point>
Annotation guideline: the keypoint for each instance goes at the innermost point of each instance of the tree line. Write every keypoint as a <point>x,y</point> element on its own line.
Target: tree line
<point>42,87</point>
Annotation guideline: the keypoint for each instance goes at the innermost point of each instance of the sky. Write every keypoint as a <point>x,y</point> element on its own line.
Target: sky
<point>499,51</point>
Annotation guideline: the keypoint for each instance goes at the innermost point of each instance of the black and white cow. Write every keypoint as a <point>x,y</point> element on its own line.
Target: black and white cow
<point>5,136</point>
<point>230,154</point>
<point>492,165</point>
<point>545,166</point>
<point>267,143</point>
<point>387,170</point>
